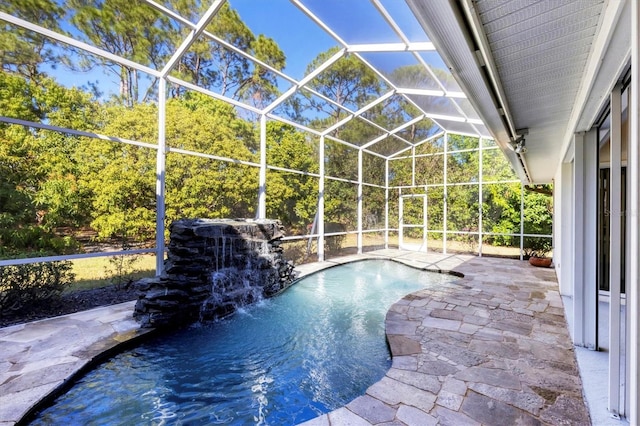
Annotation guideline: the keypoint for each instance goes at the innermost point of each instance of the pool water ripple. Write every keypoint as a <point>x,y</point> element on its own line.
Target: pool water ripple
<point>285,360</point>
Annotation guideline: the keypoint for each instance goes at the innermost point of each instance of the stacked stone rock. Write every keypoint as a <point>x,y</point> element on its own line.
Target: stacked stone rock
<point>212,267</point>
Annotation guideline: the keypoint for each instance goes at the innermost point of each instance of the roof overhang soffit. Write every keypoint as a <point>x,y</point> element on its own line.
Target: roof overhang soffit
<point>447,27</point>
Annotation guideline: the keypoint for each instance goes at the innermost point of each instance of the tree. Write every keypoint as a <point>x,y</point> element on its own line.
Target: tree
<point>210,65</point>
<point>23,51</point>
<point>38,185</point>
<point>291,198</point>
<point>132,31</point>
<point>260,88</point>
<point>349,82</point>
<point>200,187</point>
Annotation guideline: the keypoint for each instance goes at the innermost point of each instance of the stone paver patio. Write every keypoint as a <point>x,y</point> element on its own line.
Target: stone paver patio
<point>494,350</point>
<point>491,349</point>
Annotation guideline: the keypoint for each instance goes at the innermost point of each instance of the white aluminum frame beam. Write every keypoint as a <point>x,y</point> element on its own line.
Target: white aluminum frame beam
<point>161,171</point>
<point>35,125</point>
<point>262,180</point>
<point>585,183</point>
<point>445,180</point>
<point>633,281</point>
<point>321,193</point>
<point>564,251</point>
<point>431,92</point>
<point>359,201</point>
<point>386,204</point>
<point>75,43</point>
<point>392,47</point>
<point>615,252</point>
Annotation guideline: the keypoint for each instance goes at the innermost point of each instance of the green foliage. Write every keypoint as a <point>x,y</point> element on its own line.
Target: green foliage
<point>212,66</point>
<point>536,247</point>
<point>202,187</point>
<point>34,240</point>
<point>121,267</point>
<point>39,188</point>
<point>25,285</point>
<point>292,198</point>
<point>52,182</point>
<point>23,51</point>
<point>501,213</point>
<point>135,32</point>
<point>348,81</point>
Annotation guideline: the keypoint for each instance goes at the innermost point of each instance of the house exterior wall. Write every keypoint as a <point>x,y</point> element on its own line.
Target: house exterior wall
<point>562,230</point>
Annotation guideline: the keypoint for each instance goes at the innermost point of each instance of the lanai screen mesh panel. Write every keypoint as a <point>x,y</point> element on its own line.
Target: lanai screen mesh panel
<point>291,100</point>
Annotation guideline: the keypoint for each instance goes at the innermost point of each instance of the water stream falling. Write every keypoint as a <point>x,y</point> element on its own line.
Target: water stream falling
<point>212,268</point>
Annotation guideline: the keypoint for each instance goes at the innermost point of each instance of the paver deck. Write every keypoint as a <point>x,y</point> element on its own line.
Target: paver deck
<point>491,349</point>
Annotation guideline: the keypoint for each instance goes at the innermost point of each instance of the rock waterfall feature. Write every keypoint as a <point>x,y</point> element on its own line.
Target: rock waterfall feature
<point>214,266</point>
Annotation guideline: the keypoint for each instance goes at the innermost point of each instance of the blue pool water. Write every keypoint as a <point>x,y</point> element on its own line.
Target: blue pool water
<point>285,360</point>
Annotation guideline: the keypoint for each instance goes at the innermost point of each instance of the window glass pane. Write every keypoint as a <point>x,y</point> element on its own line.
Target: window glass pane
<point>488,143</point>
<point>413,210</point>
<point>491,248</point>
<point>403,70</point>
<point>300,251</point>
<point>61,193</point>
<point>268,18</point>
<point>357,132</point>
<point>349,82</point>
<point>404,17</point>
<point>339,245</point>
<point>466,107</point>
<point>439,105</point>
<point>431,146</point>
<point>462,242</point>
<point>538,210</point>
<point>305,108</point>
<point>373,169</point>
<point>290,148</point>
<point>392,113</point>
<point>460,142</point>
<point>204,188</point>
<point>393,208</point>
<point>456,126</point>
<point>372,241</point>
<point>390,146</point>
<point>441,71</point>
<point>484,132</point>
<point>420,132</point>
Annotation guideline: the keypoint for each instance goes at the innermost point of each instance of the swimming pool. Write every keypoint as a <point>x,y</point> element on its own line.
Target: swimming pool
<point>285,360</point>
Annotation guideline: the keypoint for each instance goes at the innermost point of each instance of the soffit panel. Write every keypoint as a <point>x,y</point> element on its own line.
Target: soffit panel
<point>445,28</point>
<point>540,51</point>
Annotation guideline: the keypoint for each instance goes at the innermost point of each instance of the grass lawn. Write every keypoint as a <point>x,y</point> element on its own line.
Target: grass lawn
<point>103,271</point>
<point>97,272</point>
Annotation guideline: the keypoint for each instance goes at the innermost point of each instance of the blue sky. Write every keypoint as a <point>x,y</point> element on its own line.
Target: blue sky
<point>299,38</point>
